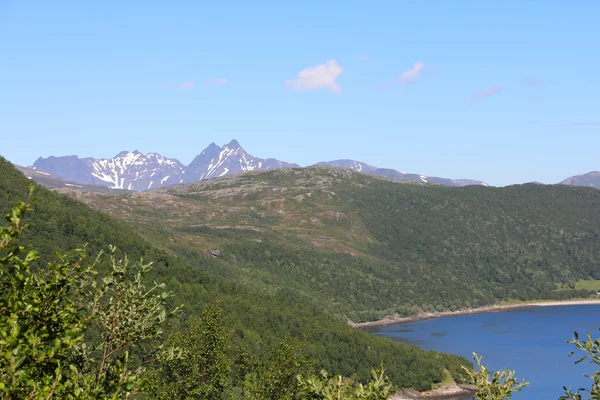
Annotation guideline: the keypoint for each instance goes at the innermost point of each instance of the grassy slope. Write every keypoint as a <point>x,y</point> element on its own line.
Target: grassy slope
<point>259,319</point>
<point>362,247</point>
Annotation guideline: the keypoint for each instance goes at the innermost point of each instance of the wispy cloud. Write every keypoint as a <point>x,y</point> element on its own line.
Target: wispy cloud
<point>322,76</point>
<point>217,82</point>
<point>187,85</point>
<point>364,58</point>
<point>412,74</point>
<point>573,125</point>
<point>491,91</point>
<point>532,82</point>
<point>166,86</point>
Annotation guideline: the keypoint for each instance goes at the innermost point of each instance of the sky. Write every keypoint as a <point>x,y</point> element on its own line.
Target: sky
<point>501,91</point>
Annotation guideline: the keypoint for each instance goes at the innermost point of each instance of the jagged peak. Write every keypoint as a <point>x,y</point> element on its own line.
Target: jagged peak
<point>211,148</point>
<point>126,153</point>
<point>234,144</point>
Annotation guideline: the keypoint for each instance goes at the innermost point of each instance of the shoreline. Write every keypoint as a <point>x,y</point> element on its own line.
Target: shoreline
<point>396,319</point>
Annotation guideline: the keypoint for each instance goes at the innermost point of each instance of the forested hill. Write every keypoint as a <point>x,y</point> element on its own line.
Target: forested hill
<point>361,247</point>
<point>260,319</point>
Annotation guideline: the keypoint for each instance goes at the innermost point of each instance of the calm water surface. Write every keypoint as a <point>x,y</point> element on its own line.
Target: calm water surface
<point>528,340</point>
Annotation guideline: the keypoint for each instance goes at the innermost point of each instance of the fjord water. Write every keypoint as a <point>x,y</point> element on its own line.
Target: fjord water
<point>528,340</point>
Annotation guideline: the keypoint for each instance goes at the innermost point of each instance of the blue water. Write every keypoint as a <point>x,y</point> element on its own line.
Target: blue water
<point>528,340</point>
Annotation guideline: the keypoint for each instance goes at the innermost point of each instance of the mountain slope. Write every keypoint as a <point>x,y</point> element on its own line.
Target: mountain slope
<point>591,179</point>
<point>50,181</point>
<point>259,319</point>
<point>358,166</point>
<point>362,246</point>
<point>395,174</point>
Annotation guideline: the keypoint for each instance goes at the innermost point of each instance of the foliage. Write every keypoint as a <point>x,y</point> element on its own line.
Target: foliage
<point>203,371</point>
<point>591,349</point>
<point>493,385</point>
<point>338,388</point>
<point>43,322</point>
<point>128,317</point>
<point>39,323</point>
<point>274,377</point>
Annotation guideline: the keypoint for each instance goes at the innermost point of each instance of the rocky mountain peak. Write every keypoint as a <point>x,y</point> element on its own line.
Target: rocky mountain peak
<point>234,144</point>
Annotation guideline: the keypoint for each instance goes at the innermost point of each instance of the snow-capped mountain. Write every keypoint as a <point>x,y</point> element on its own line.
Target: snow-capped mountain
<point>54,182</point>
<point>132,170</point>
<point>127,170</point>
<point>137,171</point>
<point>217,161</point>
<point>399,175</point>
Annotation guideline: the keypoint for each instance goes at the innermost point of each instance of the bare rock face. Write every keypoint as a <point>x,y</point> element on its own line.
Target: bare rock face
<point>213,253</point>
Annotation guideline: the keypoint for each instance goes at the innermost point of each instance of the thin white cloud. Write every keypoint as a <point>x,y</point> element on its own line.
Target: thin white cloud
<point>412,74</point>
<point>218,82</point>
<point>187,85</point>
<point>484,94</point>
<point>322,76</point>
<point>532,82</point>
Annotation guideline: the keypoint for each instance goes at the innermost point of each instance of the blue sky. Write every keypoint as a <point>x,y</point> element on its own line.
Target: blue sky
<point>502,91</point>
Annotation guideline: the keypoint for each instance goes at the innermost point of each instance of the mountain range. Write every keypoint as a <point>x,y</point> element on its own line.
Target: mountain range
<point>135,171</point>
<point>132,170</point>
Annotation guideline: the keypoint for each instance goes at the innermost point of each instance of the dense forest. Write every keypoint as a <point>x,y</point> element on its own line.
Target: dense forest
<point>361,247</point>
<point>260,322</point>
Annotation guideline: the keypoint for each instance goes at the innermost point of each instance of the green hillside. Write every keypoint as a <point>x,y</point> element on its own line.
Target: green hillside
<point>260,320</point>
<point>361,247</point>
